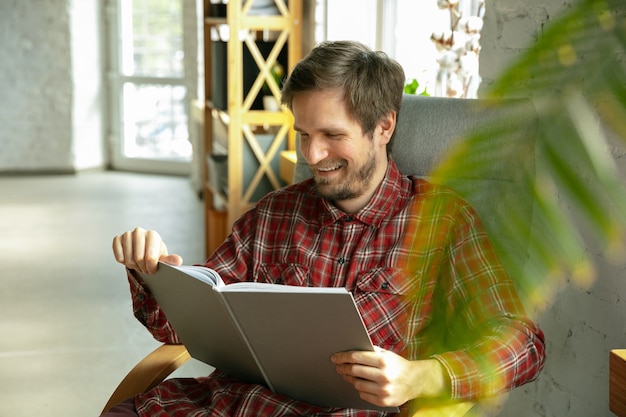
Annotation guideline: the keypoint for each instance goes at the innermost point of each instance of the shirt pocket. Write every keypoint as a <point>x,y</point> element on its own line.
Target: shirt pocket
<point>285,274</point>
<point>383,298</point>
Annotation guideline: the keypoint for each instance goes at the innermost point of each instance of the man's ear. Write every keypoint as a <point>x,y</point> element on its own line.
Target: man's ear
<point>387,125</point>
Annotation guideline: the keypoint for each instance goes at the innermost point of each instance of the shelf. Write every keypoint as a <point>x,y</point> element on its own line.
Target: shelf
<point>243,142</point>
<point>288,160</point>
<point>222,199</point>
<point>215,21</point>
<point>219,113</point>
<point>254,117</point>
<point>253,23</point>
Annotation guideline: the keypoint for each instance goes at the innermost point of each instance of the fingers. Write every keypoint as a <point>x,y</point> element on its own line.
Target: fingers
<point>141,250</point>
<point>357,357</point>
<point>358,365</point>
<point>369,381</point>
<point>359,368</point>
<point>373,374</point>
<point>172,259</point>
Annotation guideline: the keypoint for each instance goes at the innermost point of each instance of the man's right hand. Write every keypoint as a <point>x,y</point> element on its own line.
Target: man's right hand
<point>141,250</point>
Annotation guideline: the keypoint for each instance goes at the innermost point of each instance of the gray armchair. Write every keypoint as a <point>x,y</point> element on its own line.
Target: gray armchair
<point>427,128</point>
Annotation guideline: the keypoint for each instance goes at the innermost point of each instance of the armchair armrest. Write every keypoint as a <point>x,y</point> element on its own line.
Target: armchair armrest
<point>149,372</point>
<point>165,359</point>
<point>617,382</point>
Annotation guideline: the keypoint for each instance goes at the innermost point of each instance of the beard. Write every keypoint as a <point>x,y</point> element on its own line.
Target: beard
<point>353,186</point>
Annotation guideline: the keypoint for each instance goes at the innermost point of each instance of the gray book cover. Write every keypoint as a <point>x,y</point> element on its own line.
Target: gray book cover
<point>277,335</point>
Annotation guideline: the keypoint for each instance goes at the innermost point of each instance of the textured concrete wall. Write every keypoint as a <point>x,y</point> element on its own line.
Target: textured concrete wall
<point>510,26</point>
<point>53,106</point>
<point>581,323</point>
<point>35,85</point>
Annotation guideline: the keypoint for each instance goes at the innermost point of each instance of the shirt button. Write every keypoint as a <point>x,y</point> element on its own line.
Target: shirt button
<point>348,218</point>
<point>277,281</point>
<point>385,285</point>
<point>341,261</point>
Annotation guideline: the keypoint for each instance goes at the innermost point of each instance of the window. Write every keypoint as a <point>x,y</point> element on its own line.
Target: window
<point>148,86</point>
<point>403,29</point>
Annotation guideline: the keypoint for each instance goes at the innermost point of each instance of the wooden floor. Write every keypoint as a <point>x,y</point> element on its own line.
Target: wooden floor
<point>67,334</point>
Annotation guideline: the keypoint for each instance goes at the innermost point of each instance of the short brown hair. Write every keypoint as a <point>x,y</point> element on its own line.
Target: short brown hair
<point>372,83</point>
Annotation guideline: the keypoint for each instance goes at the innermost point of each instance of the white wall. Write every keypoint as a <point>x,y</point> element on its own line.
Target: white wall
<point>87,84</point>
<point>53,106</point>
<point>36,99</point>
<point>582,323</point>
<point>51,94</point>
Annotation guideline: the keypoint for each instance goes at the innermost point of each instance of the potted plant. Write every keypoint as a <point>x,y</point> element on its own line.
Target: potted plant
<point>270,102</point>
<point>412,86</point>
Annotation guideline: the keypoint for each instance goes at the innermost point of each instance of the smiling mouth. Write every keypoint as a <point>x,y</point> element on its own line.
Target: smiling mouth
<point>328,169</point>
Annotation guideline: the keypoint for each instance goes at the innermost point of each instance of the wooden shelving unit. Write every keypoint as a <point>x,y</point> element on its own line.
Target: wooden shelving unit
<point>242,141</point>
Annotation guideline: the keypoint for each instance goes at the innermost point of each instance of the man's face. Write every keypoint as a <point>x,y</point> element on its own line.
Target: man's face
<point>347,164</point>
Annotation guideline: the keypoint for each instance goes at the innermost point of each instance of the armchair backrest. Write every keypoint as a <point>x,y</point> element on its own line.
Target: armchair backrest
<point>497,186</point>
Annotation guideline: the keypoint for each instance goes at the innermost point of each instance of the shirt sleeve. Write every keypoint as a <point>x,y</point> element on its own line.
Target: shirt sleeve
<point>148,311</point>
<point>497,347</point>
<point>510,355</point>
<point>230,260</point>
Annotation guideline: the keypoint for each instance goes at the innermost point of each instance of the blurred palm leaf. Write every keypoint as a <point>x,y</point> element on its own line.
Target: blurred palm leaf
<point>575,74</point>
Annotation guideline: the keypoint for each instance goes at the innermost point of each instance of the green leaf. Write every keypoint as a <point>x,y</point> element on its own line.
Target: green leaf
<point>575,74</point>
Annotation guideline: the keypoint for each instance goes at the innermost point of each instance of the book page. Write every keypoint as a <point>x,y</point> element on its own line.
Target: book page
<point>247,286</point>
<point>212,278</point>
<point>202,273</point>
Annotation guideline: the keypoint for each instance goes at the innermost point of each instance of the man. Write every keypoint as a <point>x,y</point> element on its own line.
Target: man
<point>414,255</point>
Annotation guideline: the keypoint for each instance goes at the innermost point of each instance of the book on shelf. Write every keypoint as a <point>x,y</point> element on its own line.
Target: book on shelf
<point>278,335</point>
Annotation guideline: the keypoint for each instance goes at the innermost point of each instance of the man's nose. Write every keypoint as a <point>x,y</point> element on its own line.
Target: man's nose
<point>314,150</point>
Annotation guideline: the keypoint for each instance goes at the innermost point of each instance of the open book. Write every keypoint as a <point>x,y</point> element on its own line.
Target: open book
<point>277,335</point>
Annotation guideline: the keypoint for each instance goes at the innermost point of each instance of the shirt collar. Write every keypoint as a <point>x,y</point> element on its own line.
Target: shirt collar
<point>377,209</point>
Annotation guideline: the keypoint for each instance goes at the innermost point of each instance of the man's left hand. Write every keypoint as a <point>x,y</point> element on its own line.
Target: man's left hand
<point>386,379</point>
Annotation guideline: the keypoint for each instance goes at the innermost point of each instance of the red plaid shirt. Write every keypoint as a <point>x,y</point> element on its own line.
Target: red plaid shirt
<point>423,274</point>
